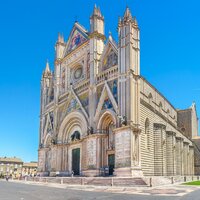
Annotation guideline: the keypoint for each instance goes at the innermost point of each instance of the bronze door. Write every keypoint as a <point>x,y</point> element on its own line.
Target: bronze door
<point>76,161</point>
<point>111,163</point>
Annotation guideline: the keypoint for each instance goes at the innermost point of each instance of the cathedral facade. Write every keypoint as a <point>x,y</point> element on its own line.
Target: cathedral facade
<point>98,114</point>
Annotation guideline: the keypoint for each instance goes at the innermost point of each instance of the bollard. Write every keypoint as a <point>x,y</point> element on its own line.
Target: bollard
<point>82,181</point>
<point>184,178</point>
<point>61,181</point>
<point>172,179</point>
<point>72,174</point>
<point>112,181</point>
<point>150,182</point>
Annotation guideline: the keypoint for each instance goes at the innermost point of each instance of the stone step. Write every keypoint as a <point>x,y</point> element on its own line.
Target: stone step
<point>98,181</point>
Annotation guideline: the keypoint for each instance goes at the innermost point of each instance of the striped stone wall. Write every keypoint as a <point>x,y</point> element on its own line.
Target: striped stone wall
<point>168,151</point>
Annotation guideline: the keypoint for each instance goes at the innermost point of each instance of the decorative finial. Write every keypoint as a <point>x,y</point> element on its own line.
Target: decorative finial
<point>47,69</point>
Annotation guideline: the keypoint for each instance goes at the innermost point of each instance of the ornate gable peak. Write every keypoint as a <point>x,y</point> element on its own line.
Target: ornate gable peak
<point>109,44</point>
<point>109,48</point>
<point>106,93</point>
<point>72,98</point>
<point>78,36</point>
<point>112,42</point>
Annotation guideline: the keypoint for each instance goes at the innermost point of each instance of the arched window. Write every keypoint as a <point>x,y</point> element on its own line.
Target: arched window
<point>147,134</point>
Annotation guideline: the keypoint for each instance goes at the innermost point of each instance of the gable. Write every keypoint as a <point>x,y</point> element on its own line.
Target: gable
<point>77,37</point>
<point>48,128</point>
<point>73,103</point>
<point>109,58</point>
<point>106,101</point>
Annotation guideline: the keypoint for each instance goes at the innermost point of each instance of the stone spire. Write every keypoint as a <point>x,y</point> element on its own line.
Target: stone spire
<point>127,15</point>
<point>60,38</point>
<point>97,12</point>
<point>47,70</point>
<point>97,21</point>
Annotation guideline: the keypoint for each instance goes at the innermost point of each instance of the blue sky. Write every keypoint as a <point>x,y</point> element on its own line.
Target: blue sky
<point>170,56</point>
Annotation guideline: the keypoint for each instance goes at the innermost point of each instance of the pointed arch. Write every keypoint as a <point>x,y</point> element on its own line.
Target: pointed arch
<point>106,118</point>
<point>106,125</point>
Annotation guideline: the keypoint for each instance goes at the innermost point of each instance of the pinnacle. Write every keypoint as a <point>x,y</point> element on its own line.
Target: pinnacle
<point>60,38</point>
<point>127,13</point>
<point>47,69</point>
<point>97,11</point>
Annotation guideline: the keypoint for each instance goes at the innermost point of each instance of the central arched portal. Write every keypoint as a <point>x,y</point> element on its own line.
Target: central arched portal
<point>72,131</point>
<point>107,123</point>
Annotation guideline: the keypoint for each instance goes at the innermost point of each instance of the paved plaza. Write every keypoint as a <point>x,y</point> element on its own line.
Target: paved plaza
<point>13,190</point>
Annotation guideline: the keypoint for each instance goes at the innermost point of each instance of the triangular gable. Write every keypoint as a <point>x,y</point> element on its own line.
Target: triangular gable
<point>107,60</point>
<point>49,124</point>
<point>106,101</point>
<point>74,104</point>
<point>77,37</point>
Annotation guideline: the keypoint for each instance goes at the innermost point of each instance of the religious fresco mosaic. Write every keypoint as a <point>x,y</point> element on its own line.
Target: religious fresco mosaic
<point>99,91</point>
<point>84,100</point>
<point>113,88</point>
<point>62,112</point>
<point>78,37</point>
<point>67,108</point>
<point>73,105</point>
<point>110,60</point>
<point>107,104</point>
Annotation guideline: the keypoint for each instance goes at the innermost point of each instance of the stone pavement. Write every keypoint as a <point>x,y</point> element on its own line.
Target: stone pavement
<point>175,190</point>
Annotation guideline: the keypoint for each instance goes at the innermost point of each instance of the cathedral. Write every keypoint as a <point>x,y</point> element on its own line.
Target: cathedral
<point>100,116</point>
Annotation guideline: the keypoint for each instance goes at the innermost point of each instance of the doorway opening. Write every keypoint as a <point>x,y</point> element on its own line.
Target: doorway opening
<point>111,163</point>
<point>76,161</point>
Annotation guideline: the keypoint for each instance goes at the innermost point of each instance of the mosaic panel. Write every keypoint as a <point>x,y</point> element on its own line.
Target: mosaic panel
<point>110,60</point>
<point>84,100</point>
<point>113,88</point>
<point>76,39</point>
<point>107,104</point>
<point>99,91</point>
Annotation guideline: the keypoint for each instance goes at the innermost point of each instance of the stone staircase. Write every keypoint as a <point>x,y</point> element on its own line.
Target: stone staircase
<point>129,182</point>
<point>96,181</point>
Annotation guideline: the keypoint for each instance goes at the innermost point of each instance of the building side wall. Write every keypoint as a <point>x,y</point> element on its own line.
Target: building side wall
<point>162,155</point>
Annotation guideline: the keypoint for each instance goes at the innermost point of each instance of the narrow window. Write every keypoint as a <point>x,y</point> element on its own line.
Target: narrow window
<point>147,134</point>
